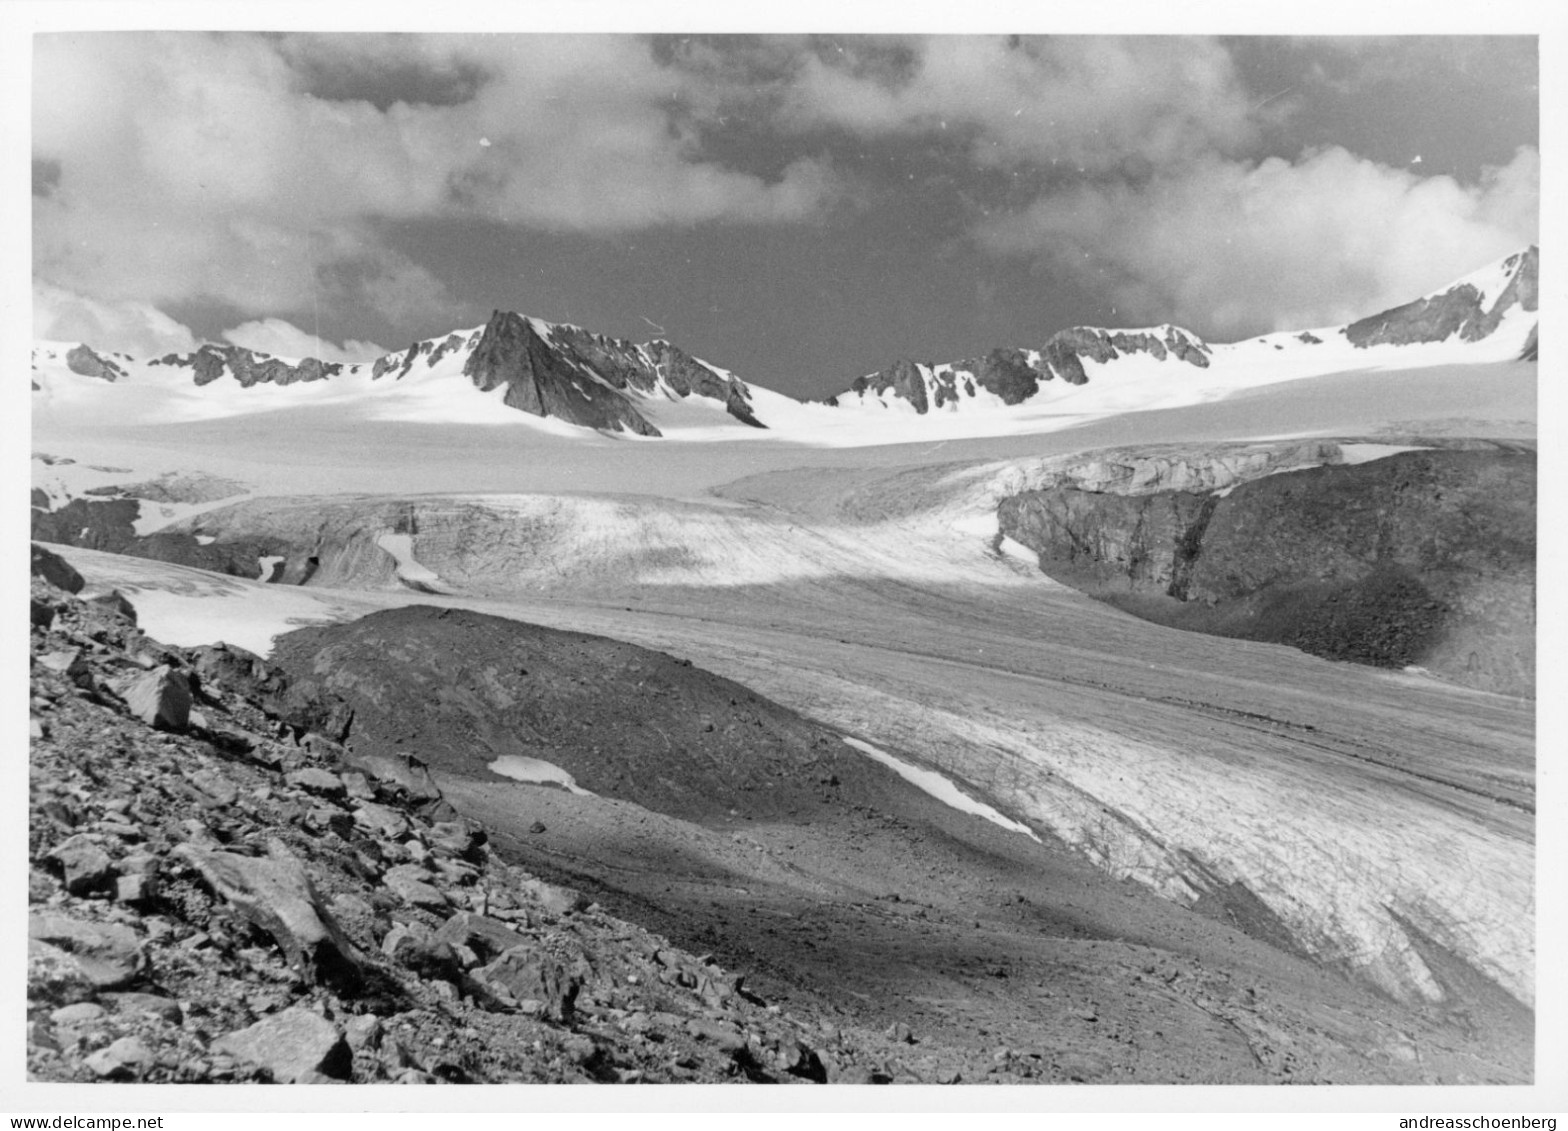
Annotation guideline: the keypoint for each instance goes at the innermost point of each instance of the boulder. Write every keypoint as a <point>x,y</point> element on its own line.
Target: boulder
<point>275,893</point>
<point>380,819</point>
<point>41,613</point>
<point>146,1005</point>
<point>121,1060</point>
<point>400,769</point>
<point>86,865</point>
<point>364,1033</point>
<point>56,570</point>
<point>554,898</point>
<point>139,887</point>
<point>408,883</point>
<point>527,980</point>
<point>74,959</point>
<point>160,698</point>
<point>412,947</point>
<point>487,938</point>
<point>461,838</point>
<point>81,1013</point>
<point>720,1033</point>
<point>113,602</point>
<point>317,781</point>
<point>291,1045</point>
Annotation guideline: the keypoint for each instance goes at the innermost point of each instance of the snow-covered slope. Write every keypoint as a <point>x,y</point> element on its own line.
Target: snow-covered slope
<point>511,371</point>
<point>1488,316</point>
<point>529,374</point>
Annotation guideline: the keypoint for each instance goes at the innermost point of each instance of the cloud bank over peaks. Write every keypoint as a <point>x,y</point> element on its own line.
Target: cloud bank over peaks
<point>283,339</point>
<point>127,327</point>
<point>1234,248</point>
<point>227,167</point>
<point>145,332</point>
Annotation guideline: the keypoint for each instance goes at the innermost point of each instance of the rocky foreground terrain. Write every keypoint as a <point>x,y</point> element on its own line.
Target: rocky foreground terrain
<point>218,895</point>
<point>240,871</point>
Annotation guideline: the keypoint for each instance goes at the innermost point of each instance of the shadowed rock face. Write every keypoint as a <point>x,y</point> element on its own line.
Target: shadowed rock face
<point>544,382</point>
<point>1422,558</point>
<point>556,376</point>
<point>1461,310</point>
<point>110,525</point>
<point>903,378</point>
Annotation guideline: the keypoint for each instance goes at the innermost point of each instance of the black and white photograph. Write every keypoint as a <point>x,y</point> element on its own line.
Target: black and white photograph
<point>997,556</point>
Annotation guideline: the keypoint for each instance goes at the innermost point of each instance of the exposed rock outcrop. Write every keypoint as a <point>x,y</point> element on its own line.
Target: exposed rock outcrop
<point>567,372</point>
<point>55,570</point>
<point>210,362</point>
<point>1423,558</point>
<point>1462,310</point>
<point>546,381</point>
<point>81,359</point>
<point>1015,375</point>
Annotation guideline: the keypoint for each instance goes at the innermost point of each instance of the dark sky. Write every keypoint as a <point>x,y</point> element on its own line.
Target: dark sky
<point>799,209</point>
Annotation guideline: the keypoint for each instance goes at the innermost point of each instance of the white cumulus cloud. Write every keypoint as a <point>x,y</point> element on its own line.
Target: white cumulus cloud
<point>127,327</point>
<point>284,339</point>
<point>204,166</point>
<point>1234,248</point>
<point>1094,102</point>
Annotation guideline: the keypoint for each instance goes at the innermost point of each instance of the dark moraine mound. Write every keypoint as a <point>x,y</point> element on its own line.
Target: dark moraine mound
<point>463,689</point>
<point>1423,558</point>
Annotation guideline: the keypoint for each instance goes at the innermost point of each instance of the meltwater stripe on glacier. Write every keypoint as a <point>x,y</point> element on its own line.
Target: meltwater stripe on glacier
<point>942,789</point>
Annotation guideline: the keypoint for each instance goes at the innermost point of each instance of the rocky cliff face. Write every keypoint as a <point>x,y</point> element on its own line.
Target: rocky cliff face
<point>546,382</point>
<point>1015,375</point>
<point>567,372</point>
<point>1464,310</point>
<point>1424,558</point>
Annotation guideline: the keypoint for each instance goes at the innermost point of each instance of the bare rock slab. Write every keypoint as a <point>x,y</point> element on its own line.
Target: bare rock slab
<point>522,976</point>
<point>292,1045</point>
<point>275,893</point>
<point>74,959</point>
<point>408,883</point>
<point>86,865</point>
<point>160,698</point>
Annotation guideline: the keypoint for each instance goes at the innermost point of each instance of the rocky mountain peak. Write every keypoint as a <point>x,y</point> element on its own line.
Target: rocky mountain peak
<point>1470,310</point>
<point>561,370</point>
<point>1014,375</point>
<point>81,359</point>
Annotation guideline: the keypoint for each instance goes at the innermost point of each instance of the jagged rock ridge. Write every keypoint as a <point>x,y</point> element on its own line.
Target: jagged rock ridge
<point>1014,375</point>
<point>1465,310</point>
<point>248,366</point>
<point>567,372</point>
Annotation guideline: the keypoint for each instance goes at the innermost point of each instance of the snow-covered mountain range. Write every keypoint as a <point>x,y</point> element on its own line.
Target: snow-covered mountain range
<point>515,369</point>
